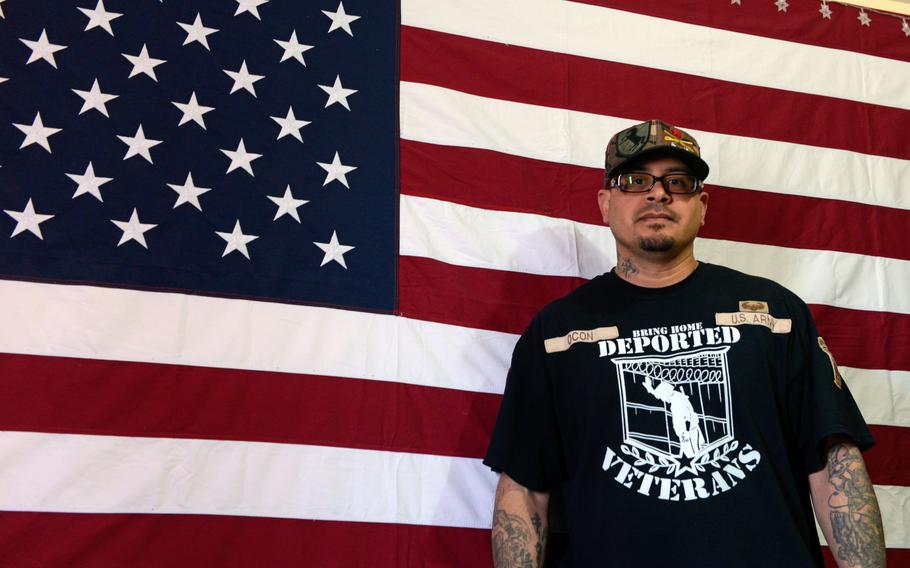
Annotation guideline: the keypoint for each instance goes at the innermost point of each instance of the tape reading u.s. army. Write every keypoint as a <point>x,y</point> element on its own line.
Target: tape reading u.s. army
<point>754,318</point>
<point>562,343</point>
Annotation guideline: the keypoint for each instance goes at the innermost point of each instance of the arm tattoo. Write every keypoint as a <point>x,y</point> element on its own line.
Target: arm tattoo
<point>541,533</point>
<point>855,517</point>
<point>627,267</point>
<point>511,541</point>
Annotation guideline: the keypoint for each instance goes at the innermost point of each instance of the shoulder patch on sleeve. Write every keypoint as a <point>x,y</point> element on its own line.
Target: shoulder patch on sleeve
<point>838,379</point>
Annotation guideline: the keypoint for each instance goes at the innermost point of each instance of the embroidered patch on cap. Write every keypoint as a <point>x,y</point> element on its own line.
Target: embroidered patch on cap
<point>562,343</point>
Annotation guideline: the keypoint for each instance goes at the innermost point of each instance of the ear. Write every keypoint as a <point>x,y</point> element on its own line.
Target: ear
<point>603,203</point>
<point>703,197</point>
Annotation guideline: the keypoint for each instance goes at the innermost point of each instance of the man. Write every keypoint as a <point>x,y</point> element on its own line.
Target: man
<point>609,384</point>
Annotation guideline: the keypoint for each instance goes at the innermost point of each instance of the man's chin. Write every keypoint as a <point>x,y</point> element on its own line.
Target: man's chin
<point>656,244</point>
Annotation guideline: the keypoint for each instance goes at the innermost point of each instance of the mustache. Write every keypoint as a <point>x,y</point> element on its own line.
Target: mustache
<point>656,209</point>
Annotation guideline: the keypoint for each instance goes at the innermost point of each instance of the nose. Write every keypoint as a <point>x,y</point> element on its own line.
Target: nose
<point>661,195</point>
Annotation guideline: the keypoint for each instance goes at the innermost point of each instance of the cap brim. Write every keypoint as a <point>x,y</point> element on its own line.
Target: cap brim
<point>699,167</point>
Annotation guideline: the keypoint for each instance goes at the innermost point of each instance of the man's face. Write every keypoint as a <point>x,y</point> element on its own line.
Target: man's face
<point>656,223</point>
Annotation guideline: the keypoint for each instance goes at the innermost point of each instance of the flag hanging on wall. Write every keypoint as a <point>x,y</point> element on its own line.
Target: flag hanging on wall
<point>264,261</point>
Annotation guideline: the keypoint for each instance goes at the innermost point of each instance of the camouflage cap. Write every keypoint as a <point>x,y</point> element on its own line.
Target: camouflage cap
<point>653,137</point>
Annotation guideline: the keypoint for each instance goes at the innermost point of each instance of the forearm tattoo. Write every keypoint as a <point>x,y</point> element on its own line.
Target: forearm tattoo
<point>512,537</point>
<point>627,267</point>
<point>511,541</point>
<point>856,521</point>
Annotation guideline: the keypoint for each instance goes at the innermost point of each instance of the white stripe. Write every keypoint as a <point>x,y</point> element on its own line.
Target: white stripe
<point>882,396</point>
<point>155,327</point>
<point>443,116</point>
<point>113,474</point>
<point>614,35</point>
<point>523,242</point>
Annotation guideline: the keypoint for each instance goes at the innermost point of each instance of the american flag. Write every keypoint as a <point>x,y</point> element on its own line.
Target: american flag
<point>265,260</point>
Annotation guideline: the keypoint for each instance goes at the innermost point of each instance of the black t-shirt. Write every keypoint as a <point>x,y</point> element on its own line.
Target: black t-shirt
<point>680,423</point>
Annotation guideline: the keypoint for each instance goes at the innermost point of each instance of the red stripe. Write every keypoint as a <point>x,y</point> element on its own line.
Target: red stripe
<point>863,339</point>
<point>888,461</point>
<point>475,297</point>
<point>85,396</point>
<point>895,557</point>
<point>506,301</point>
<point>113,541</point>
<point>583,84</point>
<point>801,23</point>
<point>492,180</point>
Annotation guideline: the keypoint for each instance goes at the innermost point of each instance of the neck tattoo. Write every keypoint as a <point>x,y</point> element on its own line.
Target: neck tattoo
<point>627,267</point>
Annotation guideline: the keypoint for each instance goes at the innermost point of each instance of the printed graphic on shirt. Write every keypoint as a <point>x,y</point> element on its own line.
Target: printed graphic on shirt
<point>677,417</point>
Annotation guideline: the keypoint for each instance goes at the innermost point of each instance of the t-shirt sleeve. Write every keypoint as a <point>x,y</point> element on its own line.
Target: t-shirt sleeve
<point>525,442</point>
<point>821,403</point>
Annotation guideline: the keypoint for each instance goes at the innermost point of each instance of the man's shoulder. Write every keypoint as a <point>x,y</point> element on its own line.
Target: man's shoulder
<point>735,281</point>
<point>589,298</point>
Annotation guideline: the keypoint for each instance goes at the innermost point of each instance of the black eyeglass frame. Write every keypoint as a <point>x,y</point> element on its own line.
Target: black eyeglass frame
<point>699,184</point>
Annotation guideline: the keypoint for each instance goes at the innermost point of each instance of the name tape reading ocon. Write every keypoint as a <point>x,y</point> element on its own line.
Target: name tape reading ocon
<point>558,344</point>
<point>754,318</point>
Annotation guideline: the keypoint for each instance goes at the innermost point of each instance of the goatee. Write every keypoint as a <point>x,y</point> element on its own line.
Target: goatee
<point>656,244</point>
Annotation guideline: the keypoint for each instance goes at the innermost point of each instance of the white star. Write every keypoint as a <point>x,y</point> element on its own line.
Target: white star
<point>89,183</point>
<point>37,133</point>
<point>240,158</point>
<point>292,48</point>
<point>333,251</point>
<point>43,49</point>
<point>142,63</point>
<point>251,6</point>
<point>287,204</point>
<point>99,18</point>
<point>133,230</point>
<point>905,27</point>
<point>340,19</point>
<point>95,99</point>
<point>243,79</point>
<point>864,18</point>
<point>825,11</point>
<point>139,145</point>
<point>3,79</point>
<point>192,110</point>
<point>1,9</point>
<point>336,170</point>
<point>236,240</point>
<point>782,5</point>
<point>337,93</point>
<point>197,32</point>
<point>737,2</point>
<point>28,220</point>
<point>188,192</point>
<point>290,126</point>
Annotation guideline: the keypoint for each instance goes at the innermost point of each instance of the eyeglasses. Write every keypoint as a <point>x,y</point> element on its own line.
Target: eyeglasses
<point>642,183</point>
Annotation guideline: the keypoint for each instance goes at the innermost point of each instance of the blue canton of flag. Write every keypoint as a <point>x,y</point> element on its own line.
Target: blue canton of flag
<point>227,147</point>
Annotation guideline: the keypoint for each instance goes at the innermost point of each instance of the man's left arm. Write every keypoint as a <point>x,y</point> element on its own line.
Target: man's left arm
<point>846,507</point>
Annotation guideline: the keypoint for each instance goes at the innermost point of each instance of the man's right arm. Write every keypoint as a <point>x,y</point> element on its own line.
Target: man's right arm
<point>519,525</point>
